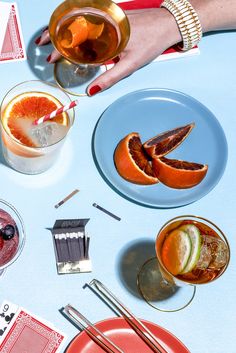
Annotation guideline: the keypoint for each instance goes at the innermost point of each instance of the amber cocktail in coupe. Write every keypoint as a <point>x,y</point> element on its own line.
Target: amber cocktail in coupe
<point>87,33</point>
<point>190,251</point>
<point>29,148</point>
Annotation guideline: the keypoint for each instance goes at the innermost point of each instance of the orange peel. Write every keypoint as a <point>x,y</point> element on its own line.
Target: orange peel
<point>94,31</point>
<point>76,33</point>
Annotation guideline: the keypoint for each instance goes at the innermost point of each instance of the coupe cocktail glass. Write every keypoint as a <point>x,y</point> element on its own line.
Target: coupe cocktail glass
<point>166,291</point>
<point>12,235</point>
<point>27,148</point>
<point>87,33</point>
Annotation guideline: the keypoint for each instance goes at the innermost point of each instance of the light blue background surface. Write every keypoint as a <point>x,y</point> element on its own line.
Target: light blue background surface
<point>117,248</point>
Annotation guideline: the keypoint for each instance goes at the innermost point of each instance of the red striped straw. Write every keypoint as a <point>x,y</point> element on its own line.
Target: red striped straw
<point>55,113</point>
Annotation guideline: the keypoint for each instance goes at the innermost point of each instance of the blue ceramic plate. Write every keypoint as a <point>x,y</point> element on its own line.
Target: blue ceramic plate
<point>150,112</point>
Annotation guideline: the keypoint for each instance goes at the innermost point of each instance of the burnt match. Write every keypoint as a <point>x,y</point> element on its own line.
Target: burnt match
<point>106,211</point>
<point>66,198</point>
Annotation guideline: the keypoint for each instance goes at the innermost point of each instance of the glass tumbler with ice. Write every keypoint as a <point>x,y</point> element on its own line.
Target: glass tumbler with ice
<point>29,148</point>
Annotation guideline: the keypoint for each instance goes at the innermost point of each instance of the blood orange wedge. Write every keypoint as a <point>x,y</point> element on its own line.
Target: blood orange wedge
<point>131,161</point>
<point>178,174</point>
<point>167,141</point>
<point>23,110</point>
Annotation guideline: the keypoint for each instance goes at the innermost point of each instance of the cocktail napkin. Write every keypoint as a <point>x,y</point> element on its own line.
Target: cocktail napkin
<point>21,331</point>
<point>12,46</point>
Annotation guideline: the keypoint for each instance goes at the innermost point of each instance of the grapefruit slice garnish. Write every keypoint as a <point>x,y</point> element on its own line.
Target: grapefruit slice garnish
<point>132,162</point>
<point>196,241</point>
<point>167,141</point>
<point>27,107</point>
<point>76,33</point>
<point>178,174</point>
<point>175,251</point>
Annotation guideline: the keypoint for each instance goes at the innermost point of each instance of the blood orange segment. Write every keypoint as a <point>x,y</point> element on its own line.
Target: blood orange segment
<point>29,106</point>
<point>178,174</point>
<point>131,161</point>
<point>167,141</point>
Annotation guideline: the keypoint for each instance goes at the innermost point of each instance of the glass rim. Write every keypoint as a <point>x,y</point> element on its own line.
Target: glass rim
<point>22,235</point>
<point>200,218</point>
<point>47,84</point>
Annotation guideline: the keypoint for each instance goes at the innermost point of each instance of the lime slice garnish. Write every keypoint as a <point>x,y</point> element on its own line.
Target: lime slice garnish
<point>175,251</point>
<point>195,237</point>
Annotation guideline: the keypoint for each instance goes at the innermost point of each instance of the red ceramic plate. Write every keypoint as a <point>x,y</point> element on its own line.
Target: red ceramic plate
<point>119,331</point>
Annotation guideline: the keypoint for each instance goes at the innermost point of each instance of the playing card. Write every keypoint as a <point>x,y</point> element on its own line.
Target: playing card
<point>7,312</point>
<point>12,48</point>
<point>29,334</point>
<point>5,9</point>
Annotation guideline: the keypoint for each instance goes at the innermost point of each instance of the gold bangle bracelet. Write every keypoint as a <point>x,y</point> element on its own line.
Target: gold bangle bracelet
<point>187,21</point>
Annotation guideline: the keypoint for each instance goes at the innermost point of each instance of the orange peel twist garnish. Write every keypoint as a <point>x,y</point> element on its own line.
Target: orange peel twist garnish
<point>79,31</point>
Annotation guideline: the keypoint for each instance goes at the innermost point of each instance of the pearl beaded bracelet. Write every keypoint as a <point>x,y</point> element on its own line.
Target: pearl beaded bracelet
<point>187,21</point>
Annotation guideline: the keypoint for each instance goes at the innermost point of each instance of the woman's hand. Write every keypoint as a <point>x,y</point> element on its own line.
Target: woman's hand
<point>152,31</point>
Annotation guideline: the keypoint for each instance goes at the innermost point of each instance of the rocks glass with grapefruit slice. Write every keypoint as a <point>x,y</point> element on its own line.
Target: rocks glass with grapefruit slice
<point>12,235</point>
<point>190,251</point>
<point>87,33</point>
<point>27,148</point>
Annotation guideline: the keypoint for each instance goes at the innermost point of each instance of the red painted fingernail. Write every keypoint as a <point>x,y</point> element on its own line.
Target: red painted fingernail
<point>37,40</point>
<point>49,58</point>
<point>94,89</point>
<point>116,59</point>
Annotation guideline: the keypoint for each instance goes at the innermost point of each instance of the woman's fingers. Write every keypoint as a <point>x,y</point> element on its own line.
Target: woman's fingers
<point>53,57</point>
<point>122,69</point>
<point>44,38</point>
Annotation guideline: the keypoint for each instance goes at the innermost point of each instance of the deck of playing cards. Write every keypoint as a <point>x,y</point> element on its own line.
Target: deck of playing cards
<point>24,332</point>
<point>71,245</point>
<point>12,46</point>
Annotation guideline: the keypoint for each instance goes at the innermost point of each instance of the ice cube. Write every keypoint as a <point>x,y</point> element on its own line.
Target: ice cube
<point>47,133</point>
<point>214,253</point>
<point>205,257</point>
<point>219,252</point>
